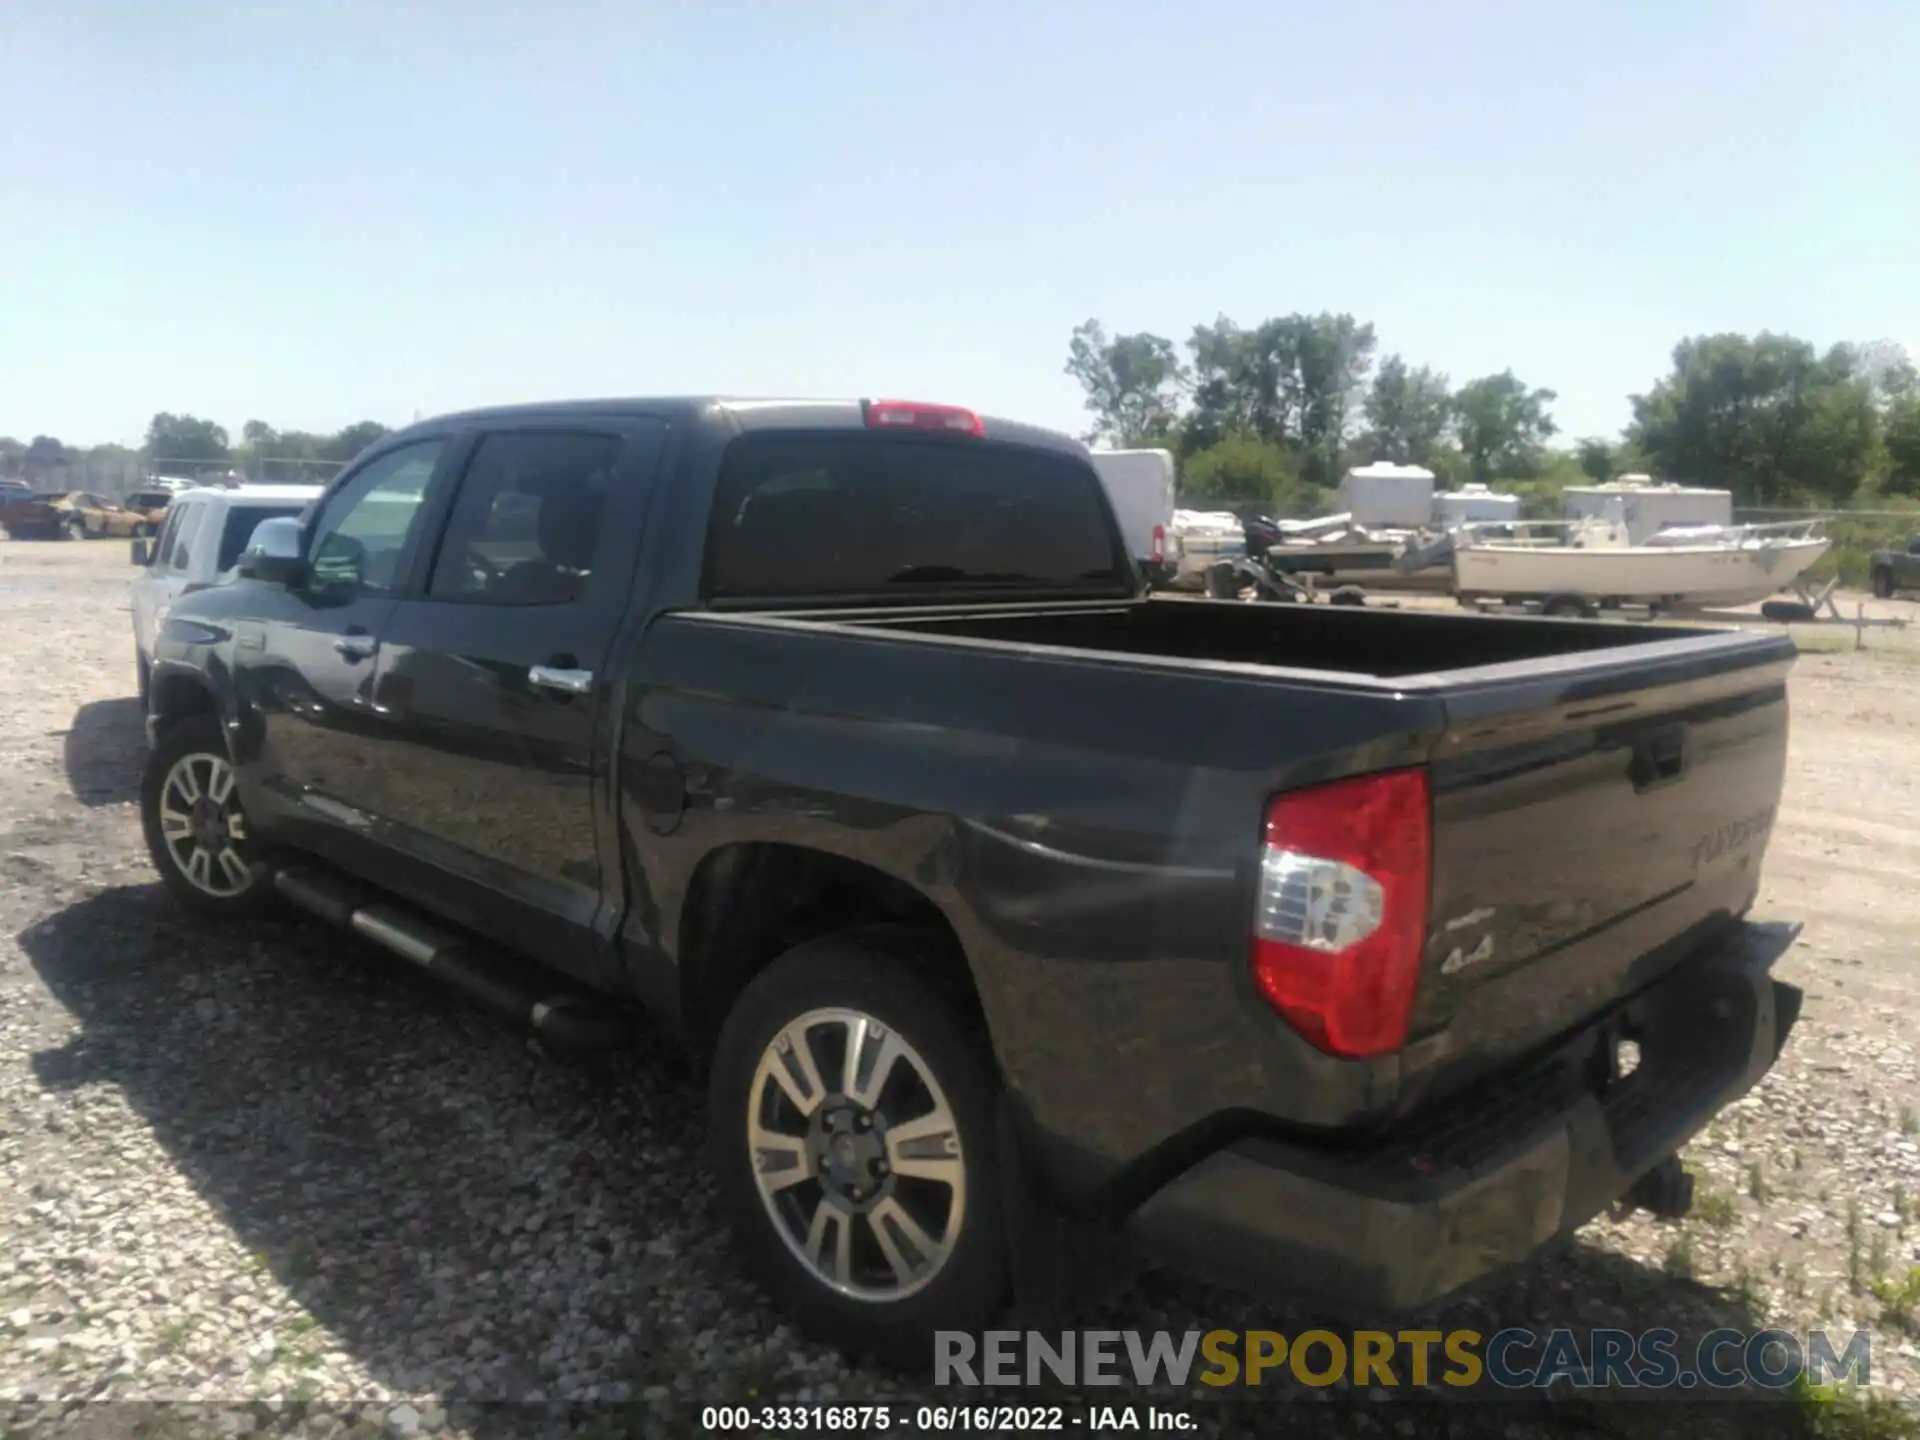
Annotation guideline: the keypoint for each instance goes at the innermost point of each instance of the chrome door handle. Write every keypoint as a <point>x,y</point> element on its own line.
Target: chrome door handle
<point>355,647</point>
<point>567,682</point>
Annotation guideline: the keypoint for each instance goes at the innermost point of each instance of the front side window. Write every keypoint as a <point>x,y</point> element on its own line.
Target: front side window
<point>799,515</point>
<point>526,520</point>
<point>367,529</point>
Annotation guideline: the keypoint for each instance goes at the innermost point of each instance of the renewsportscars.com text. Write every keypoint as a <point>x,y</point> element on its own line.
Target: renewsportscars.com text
<point>1513,1359</point>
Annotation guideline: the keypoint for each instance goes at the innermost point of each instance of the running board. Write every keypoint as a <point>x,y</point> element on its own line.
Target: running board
<point>574,1020</point>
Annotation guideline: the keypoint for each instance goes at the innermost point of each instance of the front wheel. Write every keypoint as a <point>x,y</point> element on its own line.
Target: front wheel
<point>1883,584</point>
<point>851,1114</point>
<point>197,833</point>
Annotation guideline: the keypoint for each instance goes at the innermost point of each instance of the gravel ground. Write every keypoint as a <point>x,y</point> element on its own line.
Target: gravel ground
<point>263,1165</point>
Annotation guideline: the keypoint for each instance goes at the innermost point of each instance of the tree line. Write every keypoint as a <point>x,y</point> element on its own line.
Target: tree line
<point>1275,413</point>
<point>187,445</point>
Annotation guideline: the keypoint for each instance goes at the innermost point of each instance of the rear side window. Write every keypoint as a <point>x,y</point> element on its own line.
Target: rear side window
<point>169,532</point>
<point>853,513</point>
<point>241,521</point>
<point>183,533</point>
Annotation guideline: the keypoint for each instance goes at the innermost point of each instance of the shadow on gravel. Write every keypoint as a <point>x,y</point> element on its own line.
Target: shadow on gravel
<point>105,751</point>
<point>450,1203</point>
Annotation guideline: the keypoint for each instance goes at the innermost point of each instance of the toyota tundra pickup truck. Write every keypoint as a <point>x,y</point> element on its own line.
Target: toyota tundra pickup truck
<point>1322,950</point>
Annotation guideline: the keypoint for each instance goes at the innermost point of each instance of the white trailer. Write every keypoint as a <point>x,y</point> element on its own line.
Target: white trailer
<point>1140,485</point>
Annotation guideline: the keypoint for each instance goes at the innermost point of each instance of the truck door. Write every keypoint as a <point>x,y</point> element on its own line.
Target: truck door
<point>490,682</point>
<point>306,666</point>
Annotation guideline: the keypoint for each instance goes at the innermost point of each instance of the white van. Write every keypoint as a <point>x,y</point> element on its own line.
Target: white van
<point>1140,485</point>
<point>199,544</point>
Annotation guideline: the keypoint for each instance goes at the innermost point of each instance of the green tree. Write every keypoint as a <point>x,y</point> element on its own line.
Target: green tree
<point>43,456</point>
<point>1503,425</point>
<point>1765,416</point>
<point>1243,467</point>
<point>349,442</point>
<point>1408,411</point>
<point>1598,459</point>
<point>184,438</point>
<point>1132,385</point>
<point>1293,381</point>
<point>1902,440</point>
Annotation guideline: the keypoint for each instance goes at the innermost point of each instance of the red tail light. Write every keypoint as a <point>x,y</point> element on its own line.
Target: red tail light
<point>914,415</point>
<point>1159,543</point>
<point>1342,913</point>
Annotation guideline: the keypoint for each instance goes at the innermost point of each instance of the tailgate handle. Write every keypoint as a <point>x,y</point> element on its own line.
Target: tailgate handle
<point>1659,757</point>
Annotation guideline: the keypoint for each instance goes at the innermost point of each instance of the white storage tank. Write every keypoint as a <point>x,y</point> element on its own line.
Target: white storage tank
<point>1475,502</point>
<point>1388,496</point>
<point>1647,508</point>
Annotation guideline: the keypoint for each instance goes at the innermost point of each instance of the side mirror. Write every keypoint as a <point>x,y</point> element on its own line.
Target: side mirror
<point>143,552</point>
<point>273,554</point>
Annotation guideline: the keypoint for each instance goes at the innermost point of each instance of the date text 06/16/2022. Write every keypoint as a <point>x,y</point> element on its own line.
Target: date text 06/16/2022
<point>943,1419</point>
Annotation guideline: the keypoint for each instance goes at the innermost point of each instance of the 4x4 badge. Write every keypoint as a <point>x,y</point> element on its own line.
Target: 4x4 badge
<point>1461,959</point>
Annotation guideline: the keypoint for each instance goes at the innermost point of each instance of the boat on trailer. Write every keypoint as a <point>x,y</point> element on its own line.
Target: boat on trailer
<point>1577,566</point>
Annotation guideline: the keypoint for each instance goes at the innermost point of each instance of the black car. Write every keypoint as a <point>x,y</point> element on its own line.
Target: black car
<point>1008,906</point>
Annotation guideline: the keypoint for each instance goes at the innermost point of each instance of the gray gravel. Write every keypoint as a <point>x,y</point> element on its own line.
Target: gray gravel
<point>247,1167</point>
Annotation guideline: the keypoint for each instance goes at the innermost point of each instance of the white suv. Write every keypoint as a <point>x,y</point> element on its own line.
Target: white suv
<point>199,544</point>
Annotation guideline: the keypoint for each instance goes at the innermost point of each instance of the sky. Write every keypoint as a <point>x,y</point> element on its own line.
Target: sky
<point>318,211</point>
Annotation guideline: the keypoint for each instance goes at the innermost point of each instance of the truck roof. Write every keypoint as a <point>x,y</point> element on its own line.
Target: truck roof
<point>744,413</point>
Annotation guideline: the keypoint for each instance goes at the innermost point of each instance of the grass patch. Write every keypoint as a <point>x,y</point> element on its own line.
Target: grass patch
<point>1678,1261</point>
<point>1900,1302</point>
<point>1716,1207</point>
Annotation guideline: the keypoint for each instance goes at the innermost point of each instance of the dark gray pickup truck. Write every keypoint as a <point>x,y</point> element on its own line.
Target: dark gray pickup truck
<point>1894,571</point>
<point>1318,949</point>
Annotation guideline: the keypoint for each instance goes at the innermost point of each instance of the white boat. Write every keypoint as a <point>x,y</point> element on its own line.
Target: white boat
<point>1594,561</point>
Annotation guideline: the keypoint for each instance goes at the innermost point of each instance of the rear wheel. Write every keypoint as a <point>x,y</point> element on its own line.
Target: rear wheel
<point>197,834</point>
<point>851,1114</point>
<point>1566,607</point>
<point>1883,584</point>
<point>74,529</point>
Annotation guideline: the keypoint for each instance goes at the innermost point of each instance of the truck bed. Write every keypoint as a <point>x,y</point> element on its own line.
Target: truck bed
<point>1601,794</point>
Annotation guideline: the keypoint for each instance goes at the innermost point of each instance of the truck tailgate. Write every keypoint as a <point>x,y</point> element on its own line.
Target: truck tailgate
<point>1594,821</point>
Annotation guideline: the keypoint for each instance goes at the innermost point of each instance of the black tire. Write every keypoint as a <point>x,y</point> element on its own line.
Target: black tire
<point>1348,595</point>
<point>1222,581</point>
<point>1787,612</point>
<point>854,972</point>
<point>1566,607</point>
<point>1883,584</point>
<point>198,735</point>
<point>75,529</point>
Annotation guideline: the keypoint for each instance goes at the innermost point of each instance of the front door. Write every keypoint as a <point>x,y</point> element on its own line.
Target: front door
<point>491,682</point>
<point>307,665</point>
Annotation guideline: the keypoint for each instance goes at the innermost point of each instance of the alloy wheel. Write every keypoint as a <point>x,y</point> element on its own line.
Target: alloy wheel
<point>202,825</point>
<point>856,1154</point>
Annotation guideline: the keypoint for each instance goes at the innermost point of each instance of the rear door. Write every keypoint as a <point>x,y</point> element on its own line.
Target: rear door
<point>490,683</point>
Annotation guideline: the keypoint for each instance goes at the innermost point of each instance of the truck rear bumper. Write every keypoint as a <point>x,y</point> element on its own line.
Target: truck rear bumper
<point>1482,1182</point>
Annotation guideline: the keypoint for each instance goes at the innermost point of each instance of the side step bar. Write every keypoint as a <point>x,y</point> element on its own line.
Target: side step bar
<point>576,1021</point>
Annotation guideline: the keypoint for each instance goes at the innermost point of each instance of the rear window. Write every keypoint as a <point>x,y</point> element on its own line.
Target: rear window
<point>240,526</point>
<point>798,516</point>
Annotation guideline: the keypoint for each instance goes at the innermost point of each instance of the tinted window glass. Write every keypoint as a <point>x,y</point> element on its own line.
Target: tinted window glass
<point>524,524</point>
<point>367,527</point>
<point>184,539</point>
<point>163,547</point>
<point>241,521</point>
<point>799,515</point>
